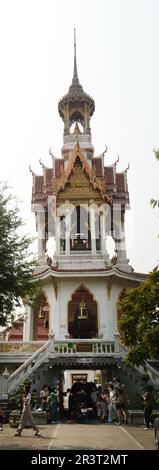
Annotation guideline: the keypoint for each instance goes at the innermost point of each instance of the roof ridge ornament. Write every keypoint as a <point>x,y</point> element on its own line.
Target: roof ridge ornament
<point>42,164</point>
<point>105,151</point>
<point>127,167</point>
<point>31,171</point>
<point>50,152</point>
<point>118,158</point>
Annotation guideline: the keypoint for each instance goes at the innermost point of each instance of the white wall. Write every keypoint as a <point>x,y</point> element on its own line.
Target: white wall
<point>106,304</point>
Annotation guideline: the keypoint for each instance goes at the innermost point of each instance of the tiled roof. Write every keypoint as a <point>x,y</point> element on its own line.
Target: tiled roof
<point>120,178</point>
<point>59,165</point>
<point>38,184</point>
<point>48,176</point>
<point>109,174</point>
<point>98,166</point>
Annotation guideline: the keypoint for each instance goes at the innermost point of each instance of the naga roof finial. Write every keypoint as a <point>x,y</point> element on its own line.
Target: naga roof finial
<point>31,171</point>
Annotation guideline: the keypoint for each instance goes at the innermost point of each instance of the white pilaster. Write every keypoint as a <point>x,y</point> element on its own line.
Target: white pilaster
<point>57,235</point>
<point>68,230</point>
<point>102,234</point>
<point>120,248</point>
<point>52,294</point>
<point>40,220</point>
<point>27,336</point>
<point>93,234</point>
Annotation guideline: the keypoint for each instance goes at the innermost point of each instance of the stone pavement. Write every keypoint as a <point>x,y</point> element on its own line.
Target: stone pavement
<point>69,436</point>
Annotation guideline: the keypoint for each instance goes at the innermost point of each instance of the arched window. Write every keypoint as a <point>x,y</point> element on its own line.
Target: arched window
<point>80,230</point>
<point>41,319</point>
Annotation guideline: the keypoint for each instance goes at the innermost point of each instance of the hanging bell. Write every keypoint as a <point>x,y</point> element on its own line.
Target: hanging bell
<point>83,313</point>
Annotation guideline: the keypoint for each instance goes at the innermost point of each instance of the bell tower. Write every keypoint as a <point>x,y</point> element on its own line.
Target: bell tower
<point>79,200</point>
<point>76,108</point>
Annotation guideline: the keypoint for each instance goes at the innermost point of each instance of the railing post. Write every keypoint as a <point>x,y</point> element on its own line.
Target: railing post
<point>117,344</point>
<point>4,384</point>
<point>51,337</point>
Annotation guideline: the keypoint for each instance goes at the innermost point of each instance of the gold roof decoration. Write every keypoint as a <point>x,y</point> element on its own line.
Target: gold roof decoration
<point>97,183</point>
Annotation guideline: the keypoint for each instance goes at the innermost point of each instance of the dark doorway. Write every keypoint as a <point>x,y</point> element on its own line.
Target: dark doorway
<point>82,315</point>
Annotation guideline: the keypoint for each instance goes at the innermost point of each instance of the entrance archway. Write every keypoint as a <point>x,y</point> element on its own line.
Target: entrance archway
<point>82,314</point>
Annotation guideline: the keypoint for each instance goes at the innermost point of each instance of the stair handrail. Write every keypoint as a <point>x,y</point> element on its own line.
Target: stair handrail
<point>152,370</point>
<point>29,361</point>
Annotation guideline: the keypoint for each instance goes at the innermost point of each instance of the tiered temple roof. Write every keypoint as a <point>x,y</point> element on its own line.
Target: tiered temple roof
<point>106,179</point>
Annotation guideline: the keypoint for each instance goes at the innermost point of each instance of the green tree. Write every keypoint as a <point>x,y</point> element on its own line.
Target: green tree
<point>139,324</point>
<point>155,202</point>
<point>16,267</point>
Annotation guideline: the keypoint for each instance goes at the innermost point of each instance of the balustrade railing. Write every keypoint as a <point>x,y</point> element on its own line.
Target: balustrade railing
<point>83,346</point>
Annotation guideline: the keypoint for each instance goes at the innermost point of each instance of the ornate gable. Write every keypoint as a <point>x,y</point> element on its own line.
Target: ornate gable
<point>78,188</point>
<point>78,182</point>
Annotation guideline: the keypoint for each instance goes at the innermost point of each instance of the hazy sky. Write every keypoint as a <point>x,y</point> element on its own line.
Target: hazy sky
<point>117,54</point>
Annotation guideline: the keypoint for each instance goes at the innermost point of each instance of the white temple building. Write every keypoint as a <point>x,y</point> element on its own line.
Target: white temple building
<point>79,202</point>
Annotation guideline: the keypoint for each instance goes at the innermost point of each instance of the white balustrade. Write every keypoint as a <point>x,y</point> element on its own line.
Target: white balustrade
<point>96,347</point>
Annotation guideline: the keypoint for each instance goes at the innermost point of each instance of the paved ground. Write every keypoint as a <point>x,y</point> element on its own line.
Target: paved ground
<point>69,436</point>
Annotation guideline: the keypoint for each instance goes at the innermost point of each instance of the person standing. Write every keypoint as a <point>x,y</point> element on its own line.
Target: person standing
<point>26,416</point>
<point>148,407</point>
<point>1,419</point>
<point>111,404</point>
<point>101,405</point>
<point>53,406</point>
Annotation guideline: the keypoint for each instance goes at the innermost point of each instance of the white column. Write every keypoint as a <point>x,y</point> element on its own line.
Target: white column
<point>57,235</point>
<point>68,230</point>
<point>102,234</point>
<point>52,293</point>
<point>41,250</point>
<point>93,234</point>
<point>41,237</point>
<point>121,246</point>
<point>4,384</point>
<point>27,336</point>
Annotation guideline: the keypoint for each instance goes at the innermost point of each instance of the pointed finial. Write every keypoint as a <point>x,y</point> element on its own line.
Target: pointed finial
<point>117,160</point>
<point>75,80</point>
<point>127,168</point>
<point>50,152</point>
<point>31,171</point>
<point>41,163</point>
<point>105,151</point>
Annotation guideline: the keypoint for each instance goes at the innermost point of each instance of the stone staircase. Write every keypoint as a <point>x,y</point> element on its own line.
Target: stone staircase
<point>131,375</point>
<point>54,349</point>
<point>29,366</point>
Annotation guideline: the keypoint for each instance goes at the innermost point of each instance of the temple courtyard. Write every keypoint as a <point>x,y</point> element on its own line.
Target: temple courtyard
<point>69,436</point>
